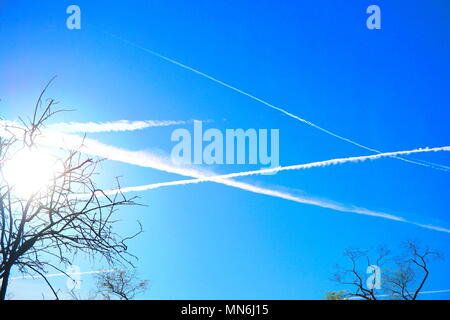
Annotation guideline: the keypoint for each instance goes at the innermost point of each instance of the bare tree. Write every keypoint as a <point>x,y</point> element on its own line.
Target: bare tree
<point>355,276</point>
<point>69,216</point>
<point>402,277</point>
<point>407,281</point>
<point>122,285</point>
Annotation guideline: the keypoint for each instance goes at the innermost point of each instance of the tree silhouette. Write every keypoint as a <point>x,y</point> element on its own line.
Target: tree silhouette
<point>122,285</point>
<point>402,277</point>
<point>70,216</point>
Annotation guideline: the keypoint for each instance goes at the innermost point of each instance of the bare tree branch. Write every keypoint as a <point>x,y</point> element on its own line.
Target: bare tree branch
<point>403,277</point>
<point>55,223</point>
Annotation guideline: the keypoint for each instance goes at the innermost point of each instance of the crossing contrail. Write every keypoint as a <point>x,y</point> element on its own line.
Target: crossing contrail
<point>144,159</point>
<point>222,83</point>
<point>279,169</point>
<point>323,203</point>
<point>110,126</point>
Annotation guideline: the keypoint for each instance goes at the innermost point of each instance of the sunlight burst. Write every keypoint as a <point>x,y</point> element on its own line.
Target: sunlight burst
<point>30,171</point>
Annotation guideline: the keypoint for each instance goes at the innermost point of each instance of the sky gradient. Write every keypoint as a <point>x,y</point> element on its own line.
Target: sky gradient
<point>387,89</point>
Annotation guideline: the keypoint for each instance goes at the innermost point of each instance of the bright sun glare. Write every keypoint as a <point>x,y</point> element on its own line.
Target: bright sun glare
<point>29,171</point>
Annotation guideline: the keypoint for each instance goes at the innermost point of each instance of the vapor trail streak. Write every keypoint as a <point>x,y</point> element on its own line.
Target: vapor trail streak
<point>61,274</point>
<point>207,76</point>
<point>115,126</point>
<point>225,180</point>
<point>322,203</point>
<point>285,168</point>
<point>434,291</point>
<point>421,292</point>
<point>144,159</point>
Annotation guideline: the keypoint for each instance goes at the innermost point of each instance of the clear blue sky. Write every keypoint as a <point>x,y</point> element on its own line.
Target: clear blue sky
<point>388,89</point>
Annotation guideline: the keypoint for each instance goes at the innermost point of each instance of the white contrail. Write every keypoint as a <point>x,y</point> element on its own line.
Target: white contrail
<point>278,169</point>
<point>434,291</point>
<point>225,179</point>
<point>117,270</point>
<point>222,83</point>
<point>93,147</point>
<point>387,295</point>
<point>322,203</point>
<point>61,274</point>
<point>144,159</point>
<point>114,126</point>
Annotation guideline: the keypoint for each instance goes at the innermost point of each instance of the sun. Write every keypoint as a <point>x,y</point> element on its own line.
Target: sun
<point>30,170</point>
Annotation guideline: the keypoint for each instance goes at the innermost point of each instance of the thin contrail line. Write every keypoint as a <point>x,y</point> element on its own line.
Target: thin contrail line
<point>61,274</point>
<point>387,295</point>
<point>207,76</point>
<point>143,159</point>
<point>434,291</point>
<point>110,126</point>
<point>226,180</point>
<point>116,270</point>
<point>322,203</point>
<point>279,169</point>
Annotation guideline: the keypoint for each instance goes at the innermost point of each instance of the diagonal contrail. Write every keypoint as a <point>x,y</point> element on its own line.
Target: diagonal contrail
<point>222,83</point>
<point>117,270</point>
<point>279,169</point>
<point>421,292</point>
<point>62,274</point>
<point>226,180</point>
<point>434,291</point>
<point>110,126</point>
<point>144,159</point>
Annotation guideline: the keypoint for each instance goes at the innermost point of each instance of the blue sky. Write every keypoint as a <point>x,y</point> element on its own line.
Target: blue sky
<point>387,89</point>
